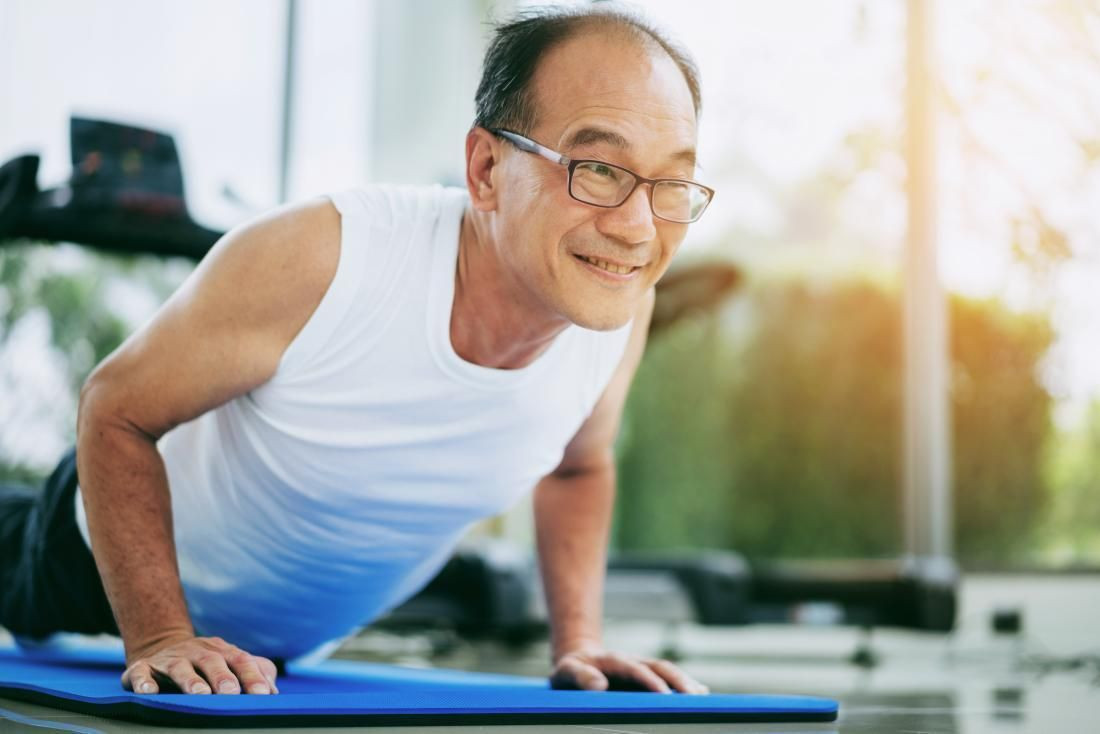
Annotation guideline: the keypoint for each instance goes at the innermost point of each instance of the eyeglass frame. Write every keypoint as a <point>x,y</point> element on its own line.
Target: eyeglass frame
<point>530,146</point>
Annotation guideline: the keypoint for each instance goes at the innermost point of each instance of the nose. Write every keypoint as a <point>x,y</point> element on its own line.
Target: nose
<point>632,221</point>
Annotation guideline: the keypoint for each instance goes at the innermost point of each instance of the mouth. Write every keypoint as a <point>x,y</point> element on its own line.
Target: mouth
<point>608,265</point>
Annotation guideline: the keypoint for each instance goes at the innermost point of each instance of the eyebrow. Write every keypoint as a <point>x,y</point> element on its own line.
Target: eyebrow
<point>590,135</point>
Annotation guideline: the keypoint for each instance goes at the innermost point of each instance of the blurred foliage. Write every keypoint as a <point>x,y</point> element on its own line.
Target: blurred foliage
<point>74,287</point>
<point>81,325</point>
<point>1001,430</point>
<point>774,428</point>
<point>1073,475</point>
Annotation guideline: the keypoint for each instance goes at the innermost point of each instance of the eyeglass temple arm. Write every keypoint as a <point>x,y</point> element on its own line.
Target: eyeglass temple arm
<point>531,146</point>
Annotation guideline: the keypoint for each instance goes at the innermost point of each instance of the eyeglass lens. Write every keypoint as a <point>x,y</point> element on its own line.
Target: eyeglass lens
<point>605,185</point>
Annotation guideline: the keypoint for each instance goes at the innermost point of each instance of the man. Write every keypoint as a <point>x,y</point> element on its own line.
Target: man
<point>296,441</point>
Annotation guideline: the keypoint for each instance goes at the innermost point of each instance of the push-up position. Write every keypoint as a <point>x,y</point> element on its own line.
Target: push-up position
<point>344,386</point>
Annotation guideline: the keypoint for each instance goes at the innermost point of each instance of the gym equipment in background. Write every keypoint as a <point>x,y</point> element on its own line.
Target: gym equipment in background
<point>491,592</point>
<point>125,194</point>
<point>722,588</point>
<point>719,588</point>
<point>488,591</point>
<point>915,593</point>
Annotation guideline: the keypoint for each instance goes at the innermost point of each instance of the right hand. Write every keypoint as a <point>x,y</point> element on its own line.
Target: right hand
<point>199,665</point>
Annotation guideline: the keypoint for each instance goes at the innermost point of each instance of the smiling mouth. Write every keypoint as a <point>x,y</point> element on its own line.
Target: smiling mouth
<point>609,267</point>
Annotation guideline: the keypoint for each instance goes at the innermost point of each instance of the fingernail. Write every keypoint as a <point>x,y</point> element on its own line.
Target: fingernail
<point>226,686</point>
<point>199,688</point>
<point>259,688</point>
<point>146,687</point>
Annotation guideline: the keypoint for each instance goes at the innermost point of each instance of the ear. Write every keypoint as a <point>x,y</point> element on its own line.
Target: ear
<point>482,156</point>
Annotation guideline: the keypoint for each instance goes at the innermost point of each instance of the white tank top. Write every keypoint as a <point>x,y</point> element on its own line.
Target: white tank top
<point>320,500</point>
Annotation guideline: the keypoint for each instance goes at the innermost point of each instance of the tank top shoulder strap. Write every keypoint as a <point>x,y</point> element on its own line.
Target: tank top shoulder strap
<point>374,224</point>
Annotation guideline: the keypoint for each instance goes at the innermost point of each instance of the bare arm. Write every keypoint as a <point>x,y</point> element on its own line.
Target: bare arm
<point>219,336</point>
<point>573,507</point>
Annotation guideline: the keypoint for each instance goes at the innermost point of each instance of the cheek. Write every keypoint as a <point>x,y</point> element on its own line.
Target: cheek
<point>670,238</point>
<point>527,190</point>
<point>532,211</point>
<point>539,219</point>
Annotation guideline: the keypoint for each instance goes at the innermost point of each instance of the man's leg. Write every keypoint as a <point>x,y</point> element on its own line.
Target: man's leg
<point>15,505</point>
<point>48,578</point>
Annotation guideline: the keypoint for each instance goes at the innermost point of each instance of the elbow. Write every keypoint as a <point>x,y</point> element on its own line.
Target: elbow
<point>91,407</point>
<point>101,410</point>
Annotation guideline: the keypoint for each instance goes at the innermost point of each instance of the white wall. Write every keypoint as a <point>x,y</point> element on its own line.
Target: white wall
<point>428,63</point>
<point>334,91</point>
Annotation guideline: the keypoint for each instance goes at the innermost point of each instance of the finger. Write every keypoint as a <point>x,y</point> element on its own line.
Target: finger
<point>139,678</point>
<point>269,670</point>
<point>183,674</point>
<point>214,669</point>
<point>572,673</point>
<point>634,670</point>
<point>248,672</point>
<point>680,680</point>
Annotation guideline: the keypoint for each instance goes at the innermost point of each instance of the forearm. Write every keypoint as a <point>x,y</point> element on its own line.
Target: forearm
<point>125,491</point>
<point>572,522</point>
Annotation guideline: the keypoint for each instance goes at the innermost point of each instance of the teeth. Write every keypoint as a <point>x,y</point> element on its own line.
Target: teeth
<point>611,268</point>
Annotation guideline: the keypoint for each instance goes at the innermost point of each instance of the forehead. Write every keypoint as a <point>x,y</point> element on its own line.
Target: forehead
<point>609,80</point>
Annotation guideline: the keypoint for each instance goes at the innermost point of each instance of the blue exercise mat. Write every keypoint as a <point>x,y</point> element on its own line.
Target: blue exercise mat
<point>344,693</point>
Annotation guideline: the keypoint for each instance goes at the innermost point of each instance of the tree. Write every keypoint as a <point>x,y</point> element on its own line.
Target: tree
<point>783,438</point>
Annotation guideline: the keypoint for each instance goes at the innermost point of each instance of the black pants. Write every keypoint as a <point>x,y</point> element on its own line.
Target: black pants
<point>48,578</point>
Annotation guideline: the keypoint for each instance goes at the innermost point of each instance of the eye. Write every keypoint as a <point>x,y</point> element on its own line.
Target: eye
<point>602,169</point>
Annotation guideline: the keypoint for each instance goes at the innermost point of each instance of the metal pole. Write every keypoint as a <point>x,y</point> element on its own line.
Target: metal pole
<point>926,465</point>
<point>288,101</point>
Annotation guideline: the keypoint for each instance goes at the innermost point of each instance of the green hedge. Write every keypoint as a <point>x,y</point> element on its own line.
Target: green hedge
<point>774,427</point>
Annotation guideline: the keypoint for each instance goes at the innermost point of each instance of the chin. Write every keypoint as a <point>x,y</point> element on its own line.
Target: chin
<point>602,320</point>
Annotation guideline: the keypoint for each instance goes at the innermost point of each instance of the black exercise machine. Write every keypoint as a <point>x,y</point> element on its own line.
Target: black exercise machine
<point>125,194</point>
<point>484,594</point>
<point>722,588</point>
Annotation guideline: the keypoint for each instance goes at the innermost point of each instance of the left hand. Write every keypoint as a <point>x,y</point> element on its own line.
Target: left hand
<point>596,669</point>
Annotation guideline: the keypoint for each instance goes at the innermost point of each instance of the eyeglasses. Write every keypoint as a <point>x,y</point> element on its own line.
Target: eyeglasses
<point>606,185</point>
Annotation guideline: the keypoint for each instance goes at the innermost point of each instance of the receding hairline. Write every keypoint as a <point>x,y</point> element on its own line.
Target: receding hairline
<point>617,25</point>
<point>622,25</point>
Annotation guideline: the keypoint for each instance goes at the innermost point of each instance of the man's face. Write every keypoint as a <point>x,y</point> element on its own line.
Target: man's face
<point>602,97</point>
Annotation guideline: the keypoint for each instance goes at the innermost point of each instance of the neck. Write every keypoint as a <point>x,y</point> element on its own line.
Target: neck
<point>495,320</point>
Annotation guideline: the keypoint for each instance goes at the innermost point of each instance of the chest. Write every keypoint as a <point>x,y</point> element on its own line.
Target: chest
<point>405,436</point>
